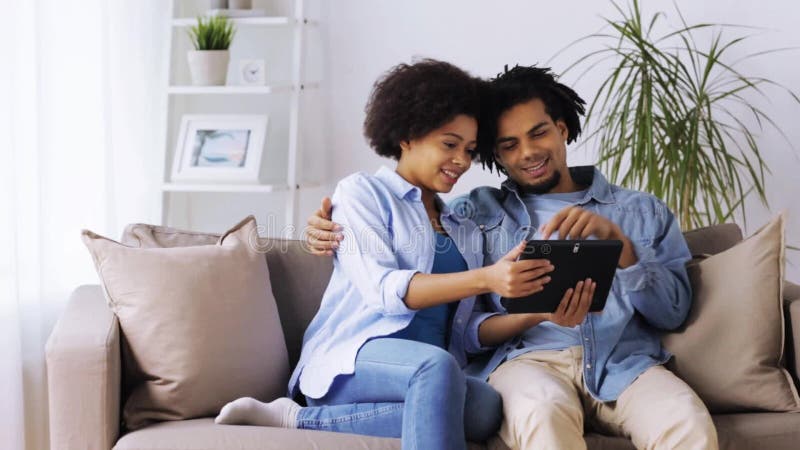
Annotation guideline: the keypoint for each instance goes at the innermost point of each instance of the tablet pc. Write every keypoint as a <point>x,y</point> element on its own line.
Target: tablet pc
<point>573,261</point>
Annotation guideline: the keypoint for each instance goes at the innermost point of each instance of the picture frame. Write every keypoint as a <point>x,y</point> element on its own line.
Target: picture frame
<point>219,148</point>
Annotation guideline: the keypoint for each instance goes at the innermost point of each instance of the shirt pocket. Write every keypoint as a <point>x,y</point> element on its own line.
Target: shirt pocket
<point>487,224</point>
<point>645,240</point>
<point>497,239</point>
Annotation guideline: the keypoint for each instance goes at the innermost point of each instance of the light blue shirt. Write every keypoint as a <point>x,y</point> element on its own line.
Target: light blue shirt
<point>387,239</point>
<point>548,336</point>
<point>652,295</point>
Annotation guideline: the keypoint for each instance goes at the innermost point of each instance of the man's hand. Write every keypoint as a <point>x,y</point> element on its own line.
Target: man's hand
<point>322,235</point>
<point>511,278</point>
<point>575,222</point>
<point>570,312</point>
<point>574,305</point>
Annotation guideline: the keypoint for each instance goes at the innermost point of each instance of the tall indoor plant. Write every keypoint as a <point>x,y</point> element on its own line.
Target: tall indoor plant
<point>208,62</point>
<point>668,115</point>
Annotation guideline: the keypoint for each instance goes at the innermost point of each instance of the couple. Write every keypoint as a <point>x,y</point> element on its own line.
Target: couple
<point>411,323</point>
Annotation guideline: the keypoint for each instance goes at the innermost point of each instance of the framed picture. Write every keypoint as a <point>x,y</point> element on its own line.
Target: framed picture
<point>222,148</point>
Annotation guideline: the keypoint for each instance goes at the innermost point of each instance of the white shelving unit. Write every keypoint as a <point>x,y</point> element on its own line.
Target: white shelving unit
<point>184,98</point>
<point>229,90</point>
<point>239,21</point>
<point>185,187</point>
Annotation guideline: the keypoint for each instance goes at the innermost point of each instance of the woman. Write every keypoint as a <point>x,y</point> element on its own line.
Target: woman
<point>375,357</point>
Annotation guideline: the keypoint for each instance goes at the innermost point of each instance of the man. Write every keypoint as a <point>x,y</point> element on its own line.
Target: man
<point>608,370</point>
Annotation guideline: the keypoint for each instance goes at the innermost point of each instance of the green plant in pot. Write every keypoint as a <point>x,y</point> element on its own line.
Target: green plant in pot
<point>675,117</point>
<point>208,62</point>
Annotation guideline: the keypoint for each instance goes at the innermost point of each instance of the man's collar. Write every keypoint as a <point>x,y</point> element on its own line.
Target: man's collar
<point>599,188</point>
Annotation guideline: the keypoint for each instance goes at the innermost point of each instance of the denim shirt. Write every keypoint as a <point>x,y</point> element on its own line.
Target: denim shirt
<point>387,239</point>
<point>654,294</point>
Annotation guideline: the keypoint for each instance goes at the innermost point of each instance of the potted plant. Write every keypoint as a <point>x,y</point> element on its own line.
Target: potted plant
<point>208,62</point>
<point>669,116</point>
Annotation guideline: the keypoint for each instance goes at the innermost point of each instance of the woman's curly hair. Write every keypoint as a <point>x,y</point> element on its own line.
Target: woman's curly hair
<point>411,100</point>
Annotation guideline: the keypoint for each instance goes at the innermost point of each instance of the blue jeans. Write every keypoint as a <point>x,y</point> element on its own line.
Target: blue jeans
<point>409,389</point>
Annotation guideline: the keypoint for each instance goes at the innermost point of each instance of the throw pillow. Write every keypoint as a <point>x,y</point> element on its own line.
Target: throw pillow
<point>200,322</point>
<point>152,236</point>
<point>730,348</point>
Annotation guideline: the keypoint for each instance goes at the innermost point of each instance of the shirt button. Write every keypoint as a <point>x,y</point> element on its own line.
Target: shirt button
<point>586,339</point>
<point>588,366</point>
<point>459,320</point>
<point>481,226</point>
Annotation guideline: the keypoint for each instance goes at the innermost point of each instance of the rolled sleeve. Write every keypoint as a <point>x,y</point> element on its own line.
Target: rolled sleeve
<point>634,277</point>
<point>473,342</point>
<point>658,285</point>
<point>394,291</point>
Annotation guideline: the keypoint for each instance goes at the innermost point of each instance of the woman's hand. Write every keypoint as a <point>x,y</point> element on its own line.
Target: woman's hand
<point>511,278</point>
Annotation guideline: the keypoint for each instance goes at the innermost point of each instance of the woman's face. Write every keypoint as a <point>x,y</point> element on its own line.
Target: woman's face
<point>437,160</point>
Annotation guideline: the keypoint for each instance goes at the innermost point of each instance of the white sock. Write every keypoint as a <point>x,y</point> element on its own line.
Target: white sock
<point>249,411</point>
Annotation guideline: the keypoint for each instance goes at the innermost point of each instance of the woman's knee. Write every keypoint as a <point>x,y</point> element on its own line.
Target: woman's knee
<point>434,356</point>
<point>438,365</point>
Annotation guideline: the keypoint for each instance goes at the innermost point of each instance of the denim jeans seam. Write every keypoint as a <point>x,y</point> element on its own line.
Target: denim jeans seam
<point>349,417</point>
<point>384,363</point>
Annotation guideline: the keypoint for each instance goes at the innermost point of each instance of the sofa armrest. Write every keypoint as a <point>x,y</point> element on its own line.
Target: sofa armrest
<point>791,298</point>
<point>83,374</point>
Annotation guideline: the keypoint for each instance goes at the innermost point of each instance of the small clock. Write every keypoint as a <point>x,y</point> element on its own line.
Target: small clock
<point>252,71</point>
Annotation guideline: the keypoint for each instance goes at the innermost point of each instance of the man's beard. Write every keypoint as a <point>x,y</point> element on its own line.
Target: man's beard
<point>542,187</point>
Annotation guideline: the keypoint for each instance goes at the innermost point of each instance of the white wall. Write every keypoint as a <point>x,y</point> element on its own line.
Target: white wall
<point>365,38</point>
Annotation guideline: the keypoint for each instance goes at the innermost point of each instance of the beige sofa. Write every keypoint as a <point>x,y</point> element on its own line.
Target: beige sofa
<point>86,367</point>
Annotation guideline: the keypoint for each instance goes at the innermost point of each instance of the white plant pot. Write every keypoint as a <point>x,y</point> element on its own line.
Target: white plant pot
<point>240,4</point>
<point>208,67</point>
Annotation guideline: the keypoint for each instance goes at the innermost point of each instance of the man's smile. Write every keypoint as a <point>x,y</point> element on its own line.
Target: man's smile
<point>538,169</point>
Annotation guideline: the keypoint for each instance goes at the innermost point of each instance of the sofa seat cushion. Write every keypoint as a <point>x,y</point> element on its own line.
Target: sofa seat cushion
<point>757,431</point>
<point>204,434</point>
<point>747,431</point>
<point>776,431</point>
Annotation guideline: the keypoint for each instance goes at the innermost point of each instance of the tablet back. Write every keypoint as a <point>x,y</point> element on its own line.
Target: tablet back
<point>573,261</point>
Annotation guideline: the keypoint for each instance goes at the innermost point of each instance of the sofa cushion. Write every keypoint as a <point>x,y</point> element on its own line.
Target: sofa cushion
<point>730,348</point>
<point>714,239</point>
<point>753,431</point>
<point>200,321</point>
<point>298,281</point>
<point>758,431</point>
<point>204,434</point>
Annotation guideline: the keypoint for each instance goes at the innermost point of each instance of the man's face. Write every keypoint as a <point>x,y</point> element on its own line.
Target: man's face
<point>532,148</point>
